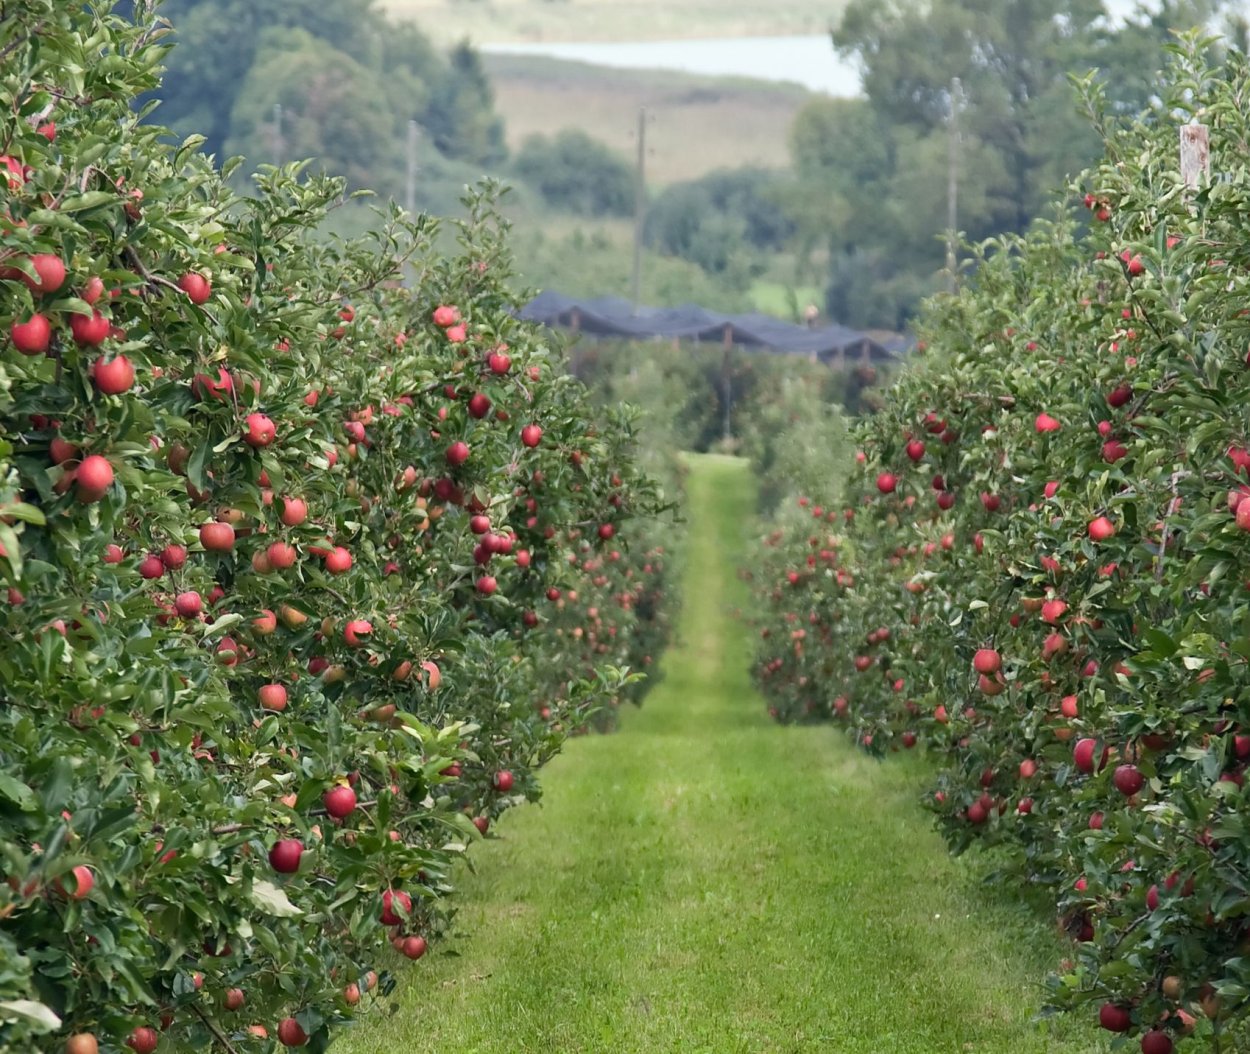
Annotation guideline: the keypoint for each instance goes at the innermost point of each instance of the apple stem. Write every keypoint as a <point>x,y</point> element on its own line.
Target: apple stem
<point>218,1035</point>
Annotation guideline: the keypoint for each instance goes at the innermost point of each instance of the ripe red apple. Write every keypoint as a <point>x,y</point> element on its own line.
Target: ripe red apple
<point>1128,780</point>
<point>1045,423</point>
<point>189,604</point>
<point>113,377</point>
<point>281,555</point>
<point>32,337</point>
<point>886,482</point>
<point>89,330</point>
<point>987,661</point>
<point>1083,755</point>
<point>445,315</point>
<point>113,554</point>
<point>498,362</point>
<point>196,286</point>
<point>82,1043</point>
<point>1119,396</point>
<point>1101,529</point>
<point>457,454</point>
<point>502,781</point>
<point>217,537</point>
<point>531,435</point>
<point>606,531</point>
<point>482,823</point>
<point>1053,610</point>
<point>486,585</point>
<point>338,560</point>
<point>1115,1018</point>
<point>273,697</point>
<point>479,405</point>
<point>143,1040</point>
<point>291,1033</point>
<point>1156,1041</point>
<point>233,999</point>
<point>915,450</point>
<point>285,854</point>
<point>392,899</point>
<point>294,511</point>
<point>260,431</point>
<point>356,632</point>
<point>413,947</point>
<point>1028,769</point>
<point>339,801</point>
<point>49,274</point>
<point>93,478</point>
<point>174,557</point>
<point>151,567</point>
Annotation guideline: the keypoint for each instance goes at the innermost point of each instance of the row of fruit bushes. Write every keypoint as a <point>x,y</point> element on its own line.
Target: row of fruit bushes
<point>1040,570</point>
<point>311,554</point>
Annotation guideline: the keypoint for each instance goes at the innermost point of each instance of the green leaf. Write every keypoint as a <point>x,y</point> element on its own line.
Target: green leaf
<point>39,1017</point>
<point>269,898</point>
<point>91,200</point>
<point>17,792</point>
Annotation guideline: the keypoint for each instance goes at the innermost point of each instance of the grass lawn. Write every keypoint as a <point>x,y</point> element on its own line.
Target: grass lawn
<point>502,21</point>
<point>705,881</point>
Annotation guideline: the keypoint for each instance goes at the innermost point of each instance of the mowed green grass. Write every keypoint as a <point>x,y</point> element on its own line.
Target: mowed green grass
<point>705,881</point>
<point>504,21</point>
<point>695,124</point>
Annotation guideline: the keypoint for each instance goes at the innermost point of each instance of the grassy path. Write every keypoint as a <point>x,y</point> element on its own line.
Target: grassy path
<point>705,881</point>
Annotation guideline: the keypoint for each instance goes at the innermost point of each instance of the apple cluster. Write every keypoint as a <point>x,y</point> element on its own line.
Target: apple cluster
<point>311,553</point>
<point>1039,570</point>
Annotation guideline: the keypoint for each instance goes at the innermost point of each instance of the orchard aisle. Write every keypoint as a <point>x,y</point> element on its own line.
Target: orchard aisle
<point>707,881</point>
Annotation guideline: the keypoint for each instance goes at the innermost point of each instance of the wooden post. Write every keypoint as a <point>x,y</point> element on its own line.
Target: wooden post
<point>952,182</point>
<point>1195,154</point>
<point>640,207</point>
<point>410,196</point>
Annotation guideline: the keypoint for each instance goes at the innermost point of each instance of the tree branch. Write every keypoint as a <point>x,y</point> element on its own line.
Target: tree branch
<point>218,1035</point>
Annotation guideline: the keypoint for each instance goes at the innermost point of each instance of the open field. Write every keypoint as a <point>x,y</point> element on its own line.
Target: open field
<point>696,124</point>
<point>706,881</point>
<point>505,21</point>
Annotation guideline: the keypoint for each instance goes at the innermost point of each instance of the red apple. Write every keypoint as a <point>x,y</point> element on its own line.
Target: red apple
<point>531,435</point>
<point>457,454</point>
<point>273,697</point>
<point>285,854</point>
<point>196,286</point>
<point>987,661</point>
<point>502,781</point>
<point>1115,1018</point>
<point>356,632</point>
<point>143,1040</point>
<point>291,1033</point>
<point>189,604</point>
<point>93,478</point>
<point>339,801</point>
<point>32,337</point>
<point>217,537</point>
<point>49,274</point>
<point>89,330</point>
<point>294,511</point>
<point>260,431</point>
<point>1128,780</point>
<point>113,377</point>
<point>391,900</point>
<point>1101,529</point>
<point>338,560</point>
<point>886,482</point>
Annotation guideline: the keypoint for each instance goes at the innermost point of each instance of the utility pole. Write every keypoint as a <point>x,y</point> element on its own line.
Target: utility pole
<point>952,183</point>
<point>278,147</point>
<point>640,206</point>
<point>410,200</point>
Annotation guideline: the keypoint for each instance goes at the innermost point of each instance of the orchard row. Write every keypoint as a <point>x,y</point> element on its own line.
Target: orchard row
<point>312,554</point>
<point>1039,570</point>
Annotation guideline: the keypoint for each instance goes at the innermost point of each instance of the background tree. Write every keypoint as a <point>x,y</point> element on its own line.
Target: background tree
<point>460,118</point>
<point>577,173</point>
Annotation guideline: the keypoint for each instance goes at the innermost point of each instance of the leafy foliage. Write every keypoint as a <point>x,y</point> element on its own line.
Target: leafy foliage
<point>1040,570</point>
<point>577,174</point>
<point>273,525</point>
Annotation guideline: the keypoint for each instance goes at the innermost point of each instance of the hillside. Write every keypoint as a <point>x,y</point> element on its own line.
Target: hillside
<point>499,21</point>
<point>697,124</point>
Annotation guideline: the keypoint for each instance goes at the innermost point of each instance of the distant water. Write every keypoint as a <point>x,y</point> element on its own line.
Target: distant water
<point>809,61</point>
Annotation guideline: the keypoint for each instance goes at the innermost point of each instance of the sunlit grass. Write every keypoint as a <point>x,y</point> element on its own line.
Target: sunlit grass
<point>705,881</point>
